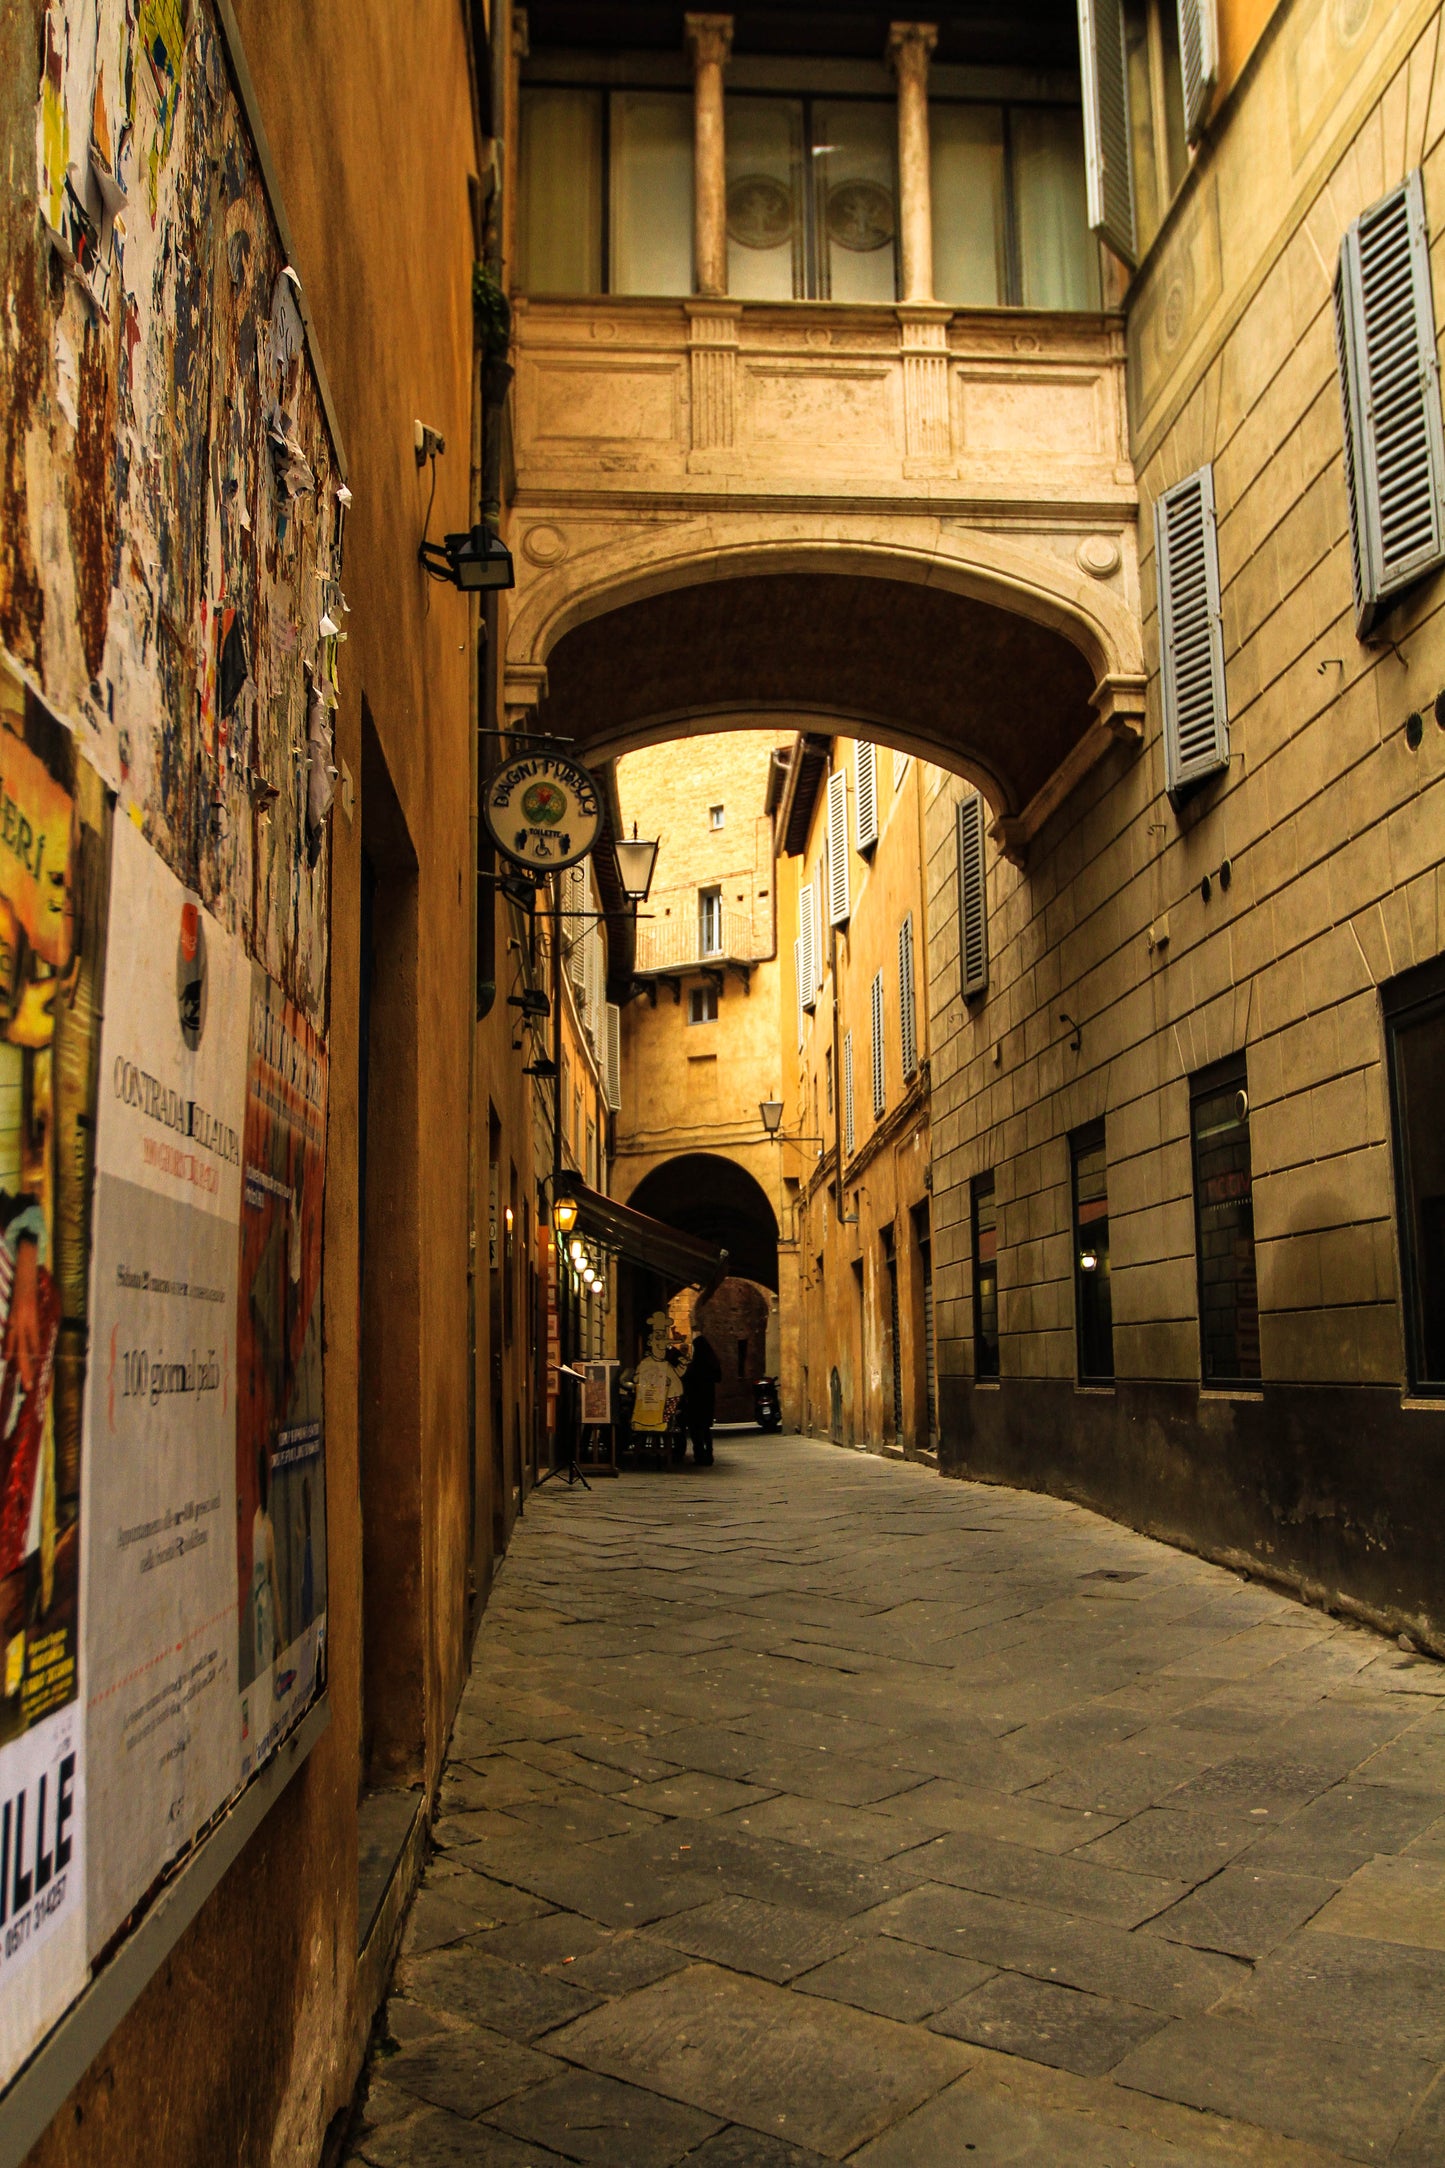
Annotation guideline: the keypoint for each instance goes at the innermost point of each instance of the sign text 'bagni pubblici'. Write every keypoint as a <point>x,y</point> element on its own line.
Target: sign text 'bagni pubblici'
<point>543,811</point>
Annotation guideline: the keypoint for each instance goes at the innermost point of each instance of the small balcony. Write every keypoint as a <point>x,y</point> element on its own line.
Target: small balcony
<point>683,937</point>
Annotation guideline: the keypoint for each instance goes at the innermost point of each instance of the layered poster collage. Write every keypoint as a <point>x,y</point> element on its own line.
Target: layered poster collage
<point>162,1471</point>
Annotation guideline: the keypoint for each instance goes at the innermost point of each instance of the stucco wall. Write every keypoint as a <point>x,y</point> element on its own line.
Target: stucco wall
<point>845,1300</point>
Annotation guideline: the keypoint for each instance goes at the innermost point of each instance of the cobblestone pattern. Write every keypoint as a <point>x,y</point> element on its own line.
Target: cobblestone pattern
<point>807,1809</point>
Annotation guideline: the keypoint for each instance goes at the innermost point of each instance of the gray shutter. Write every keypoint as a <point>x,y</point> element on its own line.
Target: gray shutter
<point>838,849</point>
<point>808,967</point>
<point>907,1013</point>
<point>1191,632</point>
<point>880,1087</point>
<point>614,1057</point>
<point>866,810</point>
<point>1108,164</point>
<point>972,898</point>
<point>798,968</point>
<point>574,902</point>
<point>849,1131</point>
<point>1390,388</point>
<point>1198,61</point>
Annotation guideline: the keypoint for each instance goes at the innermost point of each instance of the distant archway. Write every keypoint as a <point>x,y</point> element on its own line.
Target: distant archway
<point>701,1193</point>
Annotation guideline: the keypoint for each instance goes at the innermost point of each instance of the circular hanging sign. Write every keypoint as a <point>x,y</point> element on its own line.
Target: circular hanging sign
<point>543,811</point>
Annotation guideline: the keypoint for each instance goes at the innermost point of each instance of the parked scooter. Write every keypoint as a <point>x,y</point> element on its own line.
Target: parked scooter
<point>767,1407</point>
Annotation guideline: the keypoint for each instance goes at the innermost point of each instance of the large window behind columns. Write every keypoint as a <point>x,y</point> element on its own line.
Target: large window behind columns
<point>605,197</point>
<point>1010,218</point>
<point>605,194</point>
<point>812,198</point>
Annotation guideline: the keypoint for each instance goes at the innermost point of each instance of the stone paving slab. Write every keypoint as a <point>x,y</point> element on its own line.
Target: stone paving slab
<point>810,1808</point>
<point>1062,2026</point>
<point>821,2074</point>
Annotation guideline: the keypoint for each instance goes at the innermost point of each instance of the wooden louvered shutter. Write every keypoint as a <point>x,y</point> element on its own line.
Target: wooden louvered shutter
<point>1191,632</point>
<point>880,1083</point>
<point>838,849</point>
<point>1108,164</point>
<point>798,974</point>
<point>614,1057</point>
<point>849,1132</point>
<point>820,890</point>
<point>972,899</point>
<point>1198,61</point>
<point>1390,389</point>
<point>865,812</point>
<point>907,1013</point>
<point>807,966</point>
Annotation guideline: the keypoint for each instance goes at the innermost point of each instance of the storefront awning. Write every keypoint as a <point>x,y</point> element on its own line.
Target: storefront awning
<point>645,1241</point>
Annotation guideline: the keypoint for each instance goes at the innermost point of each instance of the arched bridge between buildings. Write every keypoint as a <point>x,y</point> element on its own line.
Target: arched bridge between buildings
<point>1004,661</point>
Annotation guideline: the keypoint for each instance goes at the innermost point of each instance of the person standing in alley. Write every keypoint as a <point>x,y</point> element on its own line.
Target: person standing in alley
<point>699,1397</point>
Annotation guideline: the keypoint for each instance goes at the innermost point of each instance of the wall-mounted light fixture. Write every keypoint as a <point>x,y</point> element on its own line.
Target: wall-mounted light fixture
<point>564,1214</point>
<point>636,862</point>
<point>477,562</point>
<point>771,1111</point>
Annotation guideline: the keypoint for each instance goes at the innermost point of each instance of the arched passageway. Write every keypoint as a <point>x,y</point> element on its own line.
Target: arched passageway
<point>706,1195</point>
<point>703,1194</point>
<point>1006,699</point>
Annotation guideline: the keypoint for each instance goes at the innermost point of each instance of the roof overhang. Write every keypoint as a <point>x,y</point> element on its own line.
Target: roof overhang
<point>806,773</point>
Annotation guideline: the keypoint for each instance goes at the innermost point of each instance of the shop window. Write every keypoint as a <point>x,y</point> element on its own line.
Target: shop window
<point>709,922</point>
<point>1415,1037</point>
<point>985,1277</point>
<point>1224,1226</point>
<point>1093,1302</point>
<point>702,1005</point>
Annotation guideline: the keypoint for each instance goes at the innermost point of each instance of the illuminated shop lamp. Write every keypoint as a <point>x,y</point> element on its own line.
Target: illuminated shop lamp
<point>577,1250</point>
<point>564,1214</point>
<point>1088,1260</point>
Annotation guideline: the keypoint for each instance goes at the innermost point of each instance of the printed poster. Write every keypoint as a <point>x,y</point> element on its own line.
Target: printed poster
<point>54,840</point>
<point>280,1467</point>
<point>160,1504</point>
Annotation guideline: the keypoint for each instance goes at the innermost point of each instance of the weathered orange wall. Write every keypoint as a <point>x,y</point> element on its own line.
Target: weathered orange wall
<point>1241,25</point>
<point>246,2044</point>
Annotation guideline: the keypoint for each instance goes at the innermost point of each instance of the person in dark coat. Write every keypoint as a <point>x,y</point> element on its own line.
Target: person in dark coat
<point>699,1397</point>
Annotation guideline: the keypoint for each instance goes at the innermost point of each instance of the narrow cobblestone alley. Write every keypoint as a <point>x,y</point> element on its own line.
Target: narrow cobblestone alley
<point>810,1809</point>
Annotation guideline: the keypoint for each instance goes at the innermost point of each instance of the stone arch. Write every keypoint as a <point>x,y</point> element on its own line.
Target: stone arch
<point>710,1195</point>
<point>949,588</point>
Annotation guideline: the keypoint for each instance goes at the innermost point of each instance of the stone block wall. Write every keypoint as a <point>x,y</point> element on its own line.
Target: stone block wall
<point>1333,831</point>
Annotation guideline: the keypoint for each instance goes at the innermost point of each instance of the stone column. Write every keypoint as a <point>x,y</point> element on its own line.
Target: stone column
<point>909,45</point>
<point>709,41</point>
